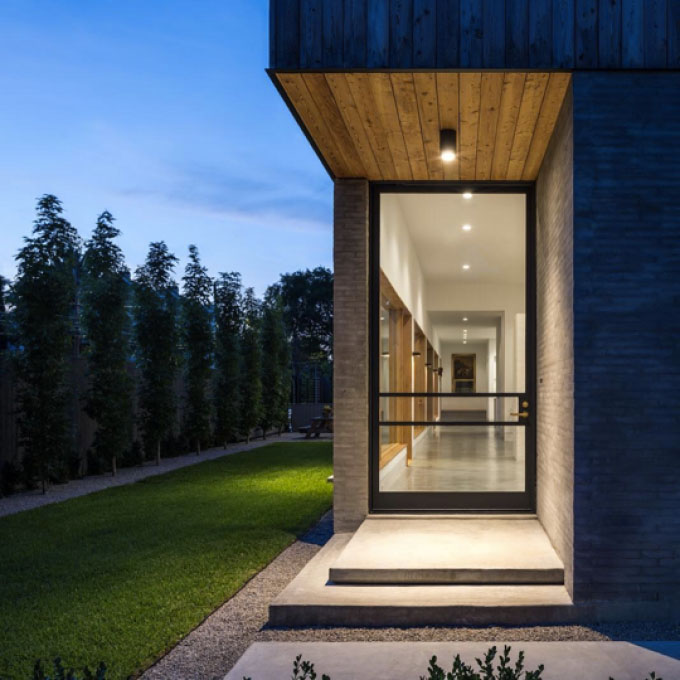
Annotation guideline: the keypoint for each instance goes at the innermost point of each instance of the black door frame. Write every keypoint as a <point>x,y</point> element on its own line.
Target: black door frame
<point>444,501</point>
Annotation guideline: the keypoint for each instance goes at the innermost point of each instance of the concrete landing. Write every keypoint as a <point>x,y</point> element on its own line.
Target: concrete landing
<point>409,660</point>
<point>448,551</point>
<point>311,600</point>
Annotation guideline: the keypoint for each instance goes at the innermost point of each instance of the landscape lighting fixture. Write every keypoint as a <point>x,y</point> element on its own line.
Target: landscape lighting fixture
<point>447,144</point>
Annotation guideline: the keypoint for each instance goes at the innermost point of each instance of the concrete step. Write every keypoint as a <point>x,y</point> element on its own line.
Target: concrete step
<point>312,600</point>
<point>448,550</point>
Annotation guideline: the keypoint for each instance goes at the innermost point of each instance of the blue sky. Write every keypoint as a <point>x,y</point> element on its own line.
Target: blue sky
<point>161,112</point>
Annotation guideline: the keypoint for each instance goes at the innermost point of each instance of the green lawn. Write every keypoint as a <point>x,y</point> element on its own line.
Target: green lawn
<point>123,574</point>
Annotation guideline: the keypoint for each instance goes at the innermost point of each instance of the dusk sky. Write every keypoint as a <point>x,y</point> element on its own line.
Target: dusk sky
<point>161,112</point>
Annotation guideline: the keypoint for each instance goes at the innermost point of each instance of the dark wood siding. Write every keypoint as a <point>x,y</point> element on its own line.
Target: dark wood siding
<point>475,34</point>
<point>626,307</point>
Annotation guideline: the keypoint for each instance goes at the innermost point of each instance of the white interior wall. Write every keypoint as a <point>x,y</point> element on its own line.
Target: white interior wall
<point>399,261</point>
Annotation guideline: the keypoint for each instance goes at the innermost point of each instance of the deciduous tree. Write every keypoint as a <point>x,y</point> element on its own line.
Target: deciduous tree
<point>307,298</point>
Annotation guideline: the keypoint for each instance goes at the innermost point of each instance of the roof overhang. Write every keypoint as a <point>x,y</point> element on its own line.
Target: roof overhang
<point>386,125</point>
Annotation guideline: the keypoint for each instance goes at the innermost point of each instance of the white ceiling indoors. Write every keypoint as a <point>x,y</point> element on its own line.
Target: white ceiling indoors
<point>479,325</point>
<point>493,247</point>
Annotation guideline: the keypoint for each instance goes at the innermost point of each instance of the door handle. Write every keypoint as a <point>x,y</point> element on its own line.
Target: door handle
<point>521,414</point>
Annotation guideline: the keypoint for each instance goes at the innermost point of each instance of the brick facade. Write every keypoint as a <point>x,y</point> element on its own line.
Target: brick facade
<point>627,337</point>
<point>350,354</point>
<point>555,353</point>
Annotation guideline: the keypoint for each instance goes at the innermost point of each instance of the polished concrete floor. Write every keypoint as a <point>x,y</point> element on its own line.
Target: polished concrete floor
<point>462,459</point>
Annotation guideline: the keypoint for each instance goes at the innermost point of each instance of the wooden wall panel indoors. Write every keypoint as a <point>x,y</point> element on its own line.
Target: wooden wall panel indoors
<point>470,34</point>
<point>385,126</point>
<point>419,377</point>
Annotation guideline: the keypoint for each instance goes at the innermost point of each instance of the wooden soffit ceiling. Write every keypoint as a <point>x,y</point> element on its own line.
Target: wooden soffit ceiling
<point>385,126</point>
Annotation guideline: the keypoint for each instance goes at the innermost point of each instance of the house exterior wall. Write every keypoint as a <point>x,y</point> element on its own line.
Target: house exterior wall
<point>441,34</point>
<point>555,334</point>
<point>627,337</point>
<point>350,354</point>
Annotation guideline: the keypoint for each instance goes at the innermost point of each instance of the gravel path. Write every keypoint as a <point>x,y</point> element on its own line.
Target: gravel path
<point>212,649</point>
<point>27,500</point>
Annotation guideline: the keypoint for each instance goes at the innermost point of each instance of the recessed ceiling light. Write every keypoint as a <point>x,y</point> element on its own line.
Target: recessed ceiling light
<point>466,267</point>
<point>467,227</point>
<point>465,318</point>
<point>467,195</point>
<point>464,330</point>
<point>465,342</point>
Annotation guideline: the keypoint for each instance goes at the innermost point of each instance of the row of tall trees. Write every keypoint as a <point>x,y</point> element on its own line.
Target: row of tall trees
<point>138,336</point>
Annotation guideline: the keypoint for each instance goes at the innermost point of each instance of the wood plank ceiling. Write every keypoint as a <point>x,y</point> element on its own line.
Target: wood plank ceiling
<point>385,126</point>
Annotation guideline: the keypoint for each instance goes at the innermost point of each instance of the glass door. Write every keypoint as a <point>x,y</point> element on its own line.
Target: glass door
<point>452,319</point>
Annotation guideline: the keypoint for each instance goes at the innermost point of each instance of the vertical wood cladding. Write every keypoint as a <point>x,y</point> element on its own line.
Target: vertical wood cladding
<point>475,34</point>
<point>626,336</point>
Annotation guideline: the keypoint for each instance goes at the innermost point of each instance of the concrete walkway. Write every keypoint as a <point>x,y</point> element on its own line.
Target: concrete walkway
<point>27,500</point>
<point>409,660</point>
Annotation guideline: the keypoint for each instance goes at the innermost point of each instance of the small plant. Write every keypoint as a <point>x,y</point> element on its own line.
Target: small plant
<point>60,673</point>
<point>463,671</point>
<point>303,670</point>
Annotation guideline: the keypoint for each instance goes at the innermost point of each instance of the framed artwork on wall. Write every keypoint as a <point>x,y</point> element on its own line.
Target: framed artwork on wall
<point>463,373</point>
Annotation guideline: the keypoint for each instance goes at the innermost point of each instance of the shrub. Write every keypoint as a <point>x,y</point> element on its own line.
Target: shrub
<point>60,673</point>
<point>505,670</point>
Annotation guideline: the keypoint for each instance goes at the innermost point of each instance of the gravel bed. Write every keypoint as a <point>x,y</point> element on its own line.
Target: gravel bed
<point>27,500</point>
<point>212,649</point>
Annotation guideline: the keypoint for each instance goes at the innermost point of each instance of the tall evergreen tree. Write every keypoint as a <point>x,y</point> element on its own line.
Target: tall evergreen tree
<point>106,289</point>
<point>251,378</point>
<point>4,317</point>
<point>44,297</point>
<point>198,341</point>
<point>226,390</point>
<point>156,336</point>
<point>275,364</point>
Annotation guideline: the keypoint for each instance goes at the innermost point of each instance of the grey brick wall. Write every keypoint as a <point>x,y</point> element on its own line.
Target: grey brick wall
<point>350,354</point>
<point>627,336</point>
<point>555,351</point>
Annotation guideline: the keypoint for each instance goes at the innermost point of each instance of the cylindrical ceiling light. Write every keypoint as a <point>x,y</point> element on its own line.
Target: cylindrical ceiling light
<point>447,143</point>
